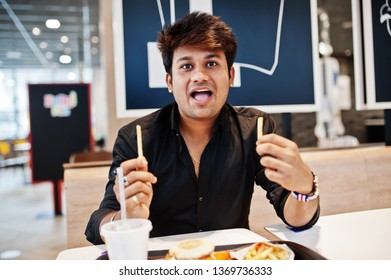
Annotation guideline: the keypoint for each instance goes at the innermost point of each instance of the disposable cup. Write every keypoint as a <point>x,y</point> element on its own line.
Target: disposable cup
<point>127,239</point>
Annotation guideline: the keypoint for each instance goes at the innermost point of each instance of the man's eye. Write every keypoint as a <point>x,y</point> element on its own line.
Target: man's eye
<point>186,66</point>
<point>211,64</point>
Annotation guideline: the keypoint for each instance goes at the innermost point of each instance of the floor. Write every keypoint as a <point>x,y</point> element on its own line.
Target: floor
<point>29,230</point>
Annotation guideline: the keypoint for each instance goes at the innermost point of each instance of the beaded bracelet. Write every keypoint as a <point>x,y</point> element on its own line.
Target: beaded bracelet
<point>314,193</point>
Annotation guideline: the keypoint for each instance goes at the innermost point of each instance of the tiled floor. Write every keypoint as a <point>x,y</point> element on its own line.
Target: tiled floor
<point>28,228</point>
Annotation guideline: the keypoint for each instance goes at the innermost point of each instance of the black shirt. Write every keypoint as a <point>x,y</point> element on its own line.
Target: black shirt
<point>221,195</point>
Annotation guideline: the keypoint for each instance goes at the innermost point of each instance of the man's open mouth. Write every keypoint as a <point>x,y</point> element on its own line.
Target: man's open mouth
<point>201,95</point>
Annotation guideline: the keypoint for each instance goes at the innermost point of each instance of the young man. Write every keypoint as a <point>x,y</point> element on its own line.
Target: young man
<point>202,155</point>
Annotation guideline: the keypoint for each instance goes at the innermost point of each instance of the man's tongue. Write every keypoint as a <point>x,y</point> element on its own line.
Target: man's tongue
<point>201,96</point>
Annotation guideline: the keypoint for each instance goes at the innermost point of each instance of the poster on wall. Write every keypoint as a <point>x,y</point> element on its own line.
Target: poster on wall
<point>60,124</point>
<point>373,53</point>
<point>376,17</point>
<point>276,68</point>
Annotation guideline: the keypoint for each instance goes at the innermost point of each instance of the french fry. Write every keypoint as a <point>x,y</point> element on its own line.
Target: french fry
<point>260,127</point>
<point>263,251</point>
<point>139,141</point>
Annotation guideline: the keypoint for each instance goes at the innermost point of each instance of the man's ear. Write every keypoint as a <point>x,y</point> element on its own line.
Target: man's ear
<point>231,76</point>
<point>169,82</point>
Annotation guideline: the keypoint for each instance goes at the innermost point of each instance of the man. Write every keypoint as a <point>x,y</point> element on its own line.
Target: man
<point>202,155</point>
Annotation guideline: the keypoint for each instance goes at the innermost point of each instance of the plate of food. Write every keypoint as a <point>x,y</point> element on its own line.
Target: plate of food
<point>203,249</point>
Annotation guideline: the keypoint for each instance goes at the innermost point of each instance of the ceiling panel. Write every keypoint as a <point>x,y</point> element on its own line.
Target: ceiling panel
<point>19,47</point>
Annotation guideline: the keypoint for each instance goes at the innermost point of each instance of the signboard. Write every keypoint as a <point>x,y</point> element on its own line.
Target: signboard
<point>372,47</point>
<point>60,124</point>
<point>277,66</point>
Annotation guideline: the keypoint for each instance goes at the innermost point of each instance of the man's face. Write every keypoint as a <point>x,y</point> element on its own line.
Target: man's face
<point>200,81</point>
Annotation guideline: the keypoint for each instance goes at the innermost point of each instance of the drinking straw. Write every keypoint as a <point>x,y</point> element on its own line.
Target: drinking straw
<point>120,175</point>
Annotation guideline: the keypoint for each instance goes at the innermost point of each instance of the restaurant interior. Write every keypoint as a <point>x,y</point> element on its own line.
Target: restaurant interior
<point>38,219</point>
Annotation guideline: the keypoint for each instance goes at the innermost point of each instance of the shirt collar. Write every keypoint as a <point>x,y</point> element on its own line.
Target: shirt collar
<point>222,119</point>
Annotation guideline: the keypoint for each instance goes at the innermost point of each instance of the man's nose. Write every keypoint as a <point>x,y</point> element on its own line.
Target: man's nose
<point>200,75</point>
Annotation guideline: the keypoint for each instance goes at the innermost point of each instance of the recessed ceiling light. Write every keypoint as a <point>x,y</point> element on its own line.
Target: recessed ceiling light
<point>65,59</point>
<point>64,39</point>
<point>43,45</point>
<point>36,31</point>
<point>53,23</point>
<point>95,39</point>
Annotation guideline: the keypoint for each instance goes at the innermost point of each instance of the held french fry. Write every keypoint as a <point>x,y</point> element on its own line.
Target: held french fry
<point>139,141</point>
<point>260,127</point>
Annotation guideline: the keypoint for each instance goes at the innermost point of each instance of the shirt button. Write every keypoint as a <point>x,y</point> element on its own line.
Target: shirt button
<point>201,198</point>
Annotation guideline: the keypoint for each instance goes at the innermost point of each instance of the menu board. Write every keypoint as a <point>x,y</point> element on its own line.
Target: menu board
<point>60,124</point>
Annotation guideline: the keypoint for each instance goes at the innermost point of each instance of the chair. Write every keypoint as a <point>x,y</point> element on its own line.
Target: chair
<point>85,177</point>
<point>84,185</point>
<point>87,156</point>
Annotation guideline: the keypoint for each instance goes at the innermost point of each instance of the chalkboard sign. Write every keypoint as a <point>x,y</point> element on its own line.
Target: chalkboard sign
<point>60,124</point>
<point>277,66</point>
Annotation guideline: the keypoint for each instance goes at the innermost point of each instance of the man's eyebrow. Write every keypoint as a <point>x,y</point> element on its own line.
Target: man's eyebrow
<point>213,55</point>
<point>208,56</point>
<point>183,58</point>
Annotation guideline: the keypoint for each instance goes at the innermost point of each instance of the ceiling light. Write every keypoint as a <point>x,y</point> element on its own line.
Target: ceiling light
<point>53,23</point>
<point>49,55</point>
<point>95,39</point>
<point>64,39</point>
<point>43,45</point>
<point>65,59</point>
<point>36,31</point>
<point>13,55</point>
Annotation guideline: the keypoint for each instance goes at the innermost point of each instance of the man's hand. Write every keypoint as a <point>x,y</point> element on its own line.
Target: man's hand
<point>138,187</point>
<point>283,163</point>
